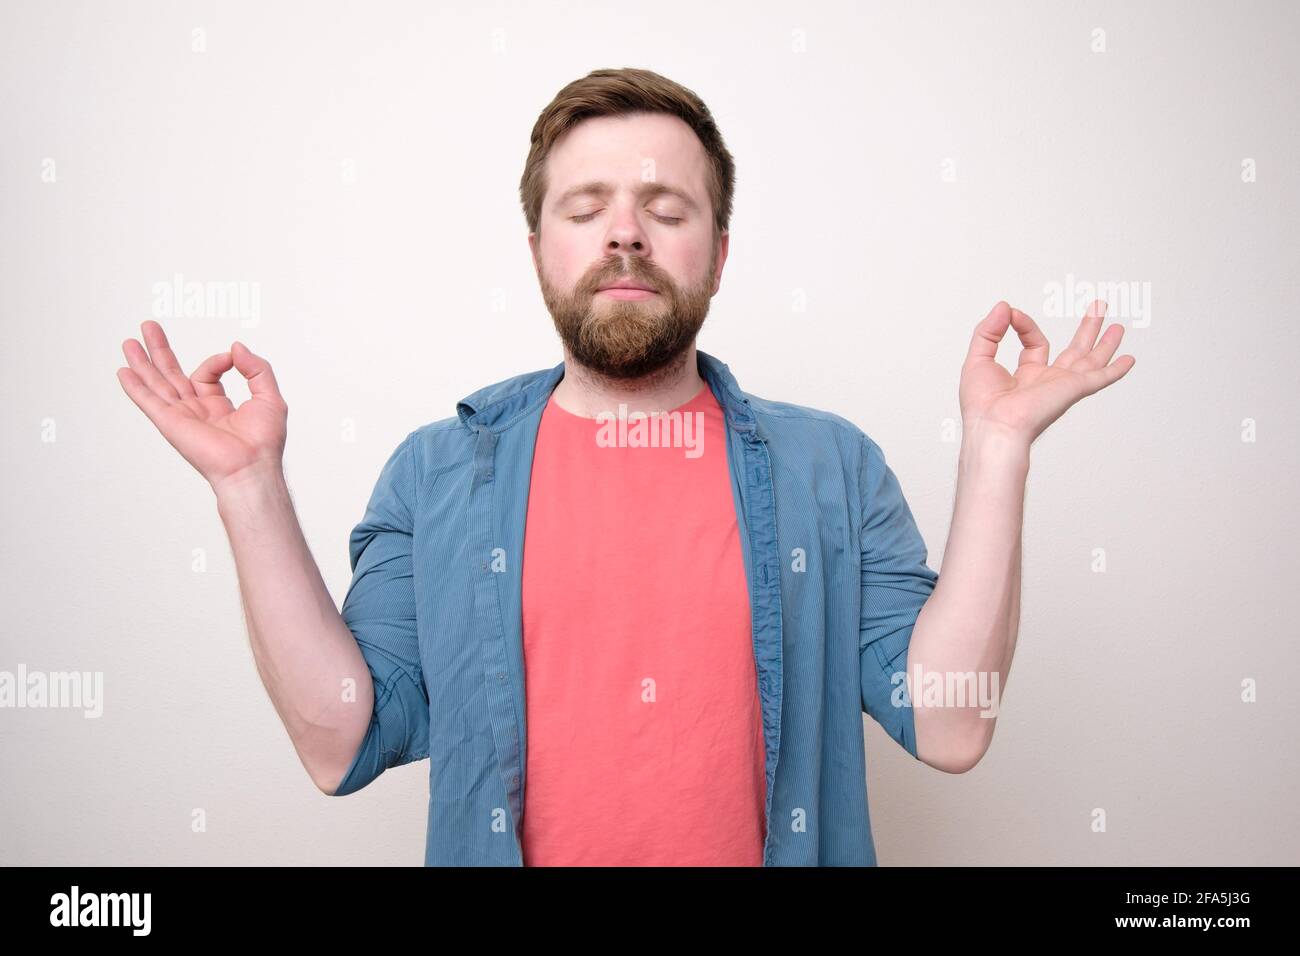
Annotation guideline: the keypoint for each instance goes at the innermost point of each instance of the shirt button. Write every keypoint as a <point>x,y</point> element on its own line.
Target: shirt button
<point>501,677</point>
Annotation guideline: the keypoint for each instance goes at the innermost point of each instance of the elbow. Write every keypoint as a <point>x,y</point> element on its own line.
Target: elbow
<point>957,755</point>
<point>326,781</point>
<point>330,790</point>
<point>342,769</point>
<point>330,773</point>
<point>964,763</point>
<point>950,763</point>
<point>965,758</point>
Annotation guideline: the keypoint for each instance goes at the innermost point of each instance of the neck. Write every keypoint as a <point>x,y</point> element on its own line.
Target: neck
<point>585,392</point>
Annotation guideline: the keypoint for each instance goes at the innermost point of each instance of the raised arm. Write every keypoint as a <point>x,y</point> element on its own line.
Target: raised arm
<point>969,625</point>
<point>304,651</point>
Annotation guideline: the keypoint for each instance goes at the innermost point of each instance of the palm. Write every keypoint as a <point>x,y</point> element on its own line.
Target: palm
<point>194,414</point>
<point>218,438</point>
<point>1036,394</point>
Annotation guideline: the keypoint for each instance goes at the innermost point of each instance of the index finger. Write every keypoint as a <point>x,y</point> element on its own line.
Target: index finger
<point>1032,338</point>
<point>207,377</point>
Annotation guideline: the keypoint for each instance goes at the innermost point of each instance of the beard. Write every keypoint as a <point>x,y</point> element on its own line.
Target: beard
<point>629,338</point>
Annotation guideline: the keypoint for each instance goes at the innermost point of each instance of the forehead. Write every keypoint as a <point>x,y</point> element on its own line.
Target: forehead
<point>631,148</point>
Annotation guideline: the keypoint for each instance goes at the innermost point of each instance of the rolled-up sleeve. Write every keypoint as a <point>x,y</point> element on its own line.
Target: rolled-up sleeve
<point>896,582</point>
<point>379,609</point>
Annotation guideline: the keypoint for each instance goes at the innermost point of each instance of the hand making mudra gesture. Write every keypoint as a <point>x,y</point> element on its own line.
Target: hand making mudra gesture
<point>224,443</point>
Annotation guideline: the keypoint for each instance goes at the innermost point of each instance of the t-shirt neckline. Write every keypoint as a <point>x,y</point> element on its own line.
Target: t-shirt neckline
<point>552,404</point>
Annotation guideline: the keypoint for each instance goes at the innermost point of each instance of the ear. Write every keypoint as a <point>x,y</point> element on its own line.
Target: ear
<point>534,251</point>
<point>723,245</point>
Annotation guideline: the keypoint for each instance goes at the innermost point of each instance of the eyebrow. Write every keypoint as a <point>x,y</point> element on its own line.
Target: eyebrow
<point>600,188</point>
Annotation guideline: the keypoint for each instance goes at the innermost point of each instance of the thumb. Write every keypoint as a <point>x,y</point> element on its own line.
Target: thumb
<point>257,370</point>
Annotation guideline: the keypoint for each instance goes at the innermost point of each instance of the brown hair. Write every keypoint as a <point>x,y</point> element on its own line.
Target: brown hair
<point>617,92</point>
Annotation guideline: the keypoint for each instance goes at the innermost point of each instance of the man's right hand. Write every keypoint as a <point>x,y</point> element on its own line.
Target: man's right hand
<point>224,443</point>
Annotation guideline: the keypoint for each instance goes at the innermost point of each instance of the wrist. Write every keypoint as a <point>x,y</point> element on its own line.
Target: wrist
<point>252,485</point>
<point>989,442</point>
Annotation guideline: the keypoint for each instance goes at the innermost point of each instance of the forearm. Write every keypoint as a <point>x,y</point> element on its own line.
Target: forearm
<point>970,623</point>
<point>302,647</point>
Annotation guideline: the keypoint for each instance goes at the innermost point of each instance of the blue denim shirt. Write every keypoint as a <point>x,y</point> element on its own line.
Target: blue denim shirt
<point>836,570</point>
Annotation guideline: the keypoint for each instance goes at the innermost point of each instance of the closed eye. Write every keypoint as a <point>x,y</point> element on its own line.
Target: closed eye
<point>671,220</point>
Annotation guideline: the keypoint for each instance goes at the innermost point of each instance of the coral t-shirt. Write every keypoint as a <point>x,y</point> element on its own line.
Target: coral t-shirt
<point>645,739</point>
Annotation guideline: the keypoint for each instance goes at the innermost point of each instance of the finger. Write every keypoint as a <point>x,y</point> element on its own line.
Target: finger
<point>164,359</point>
<point>988,333</point>
<point>1097,379</point>
<point>144,397</point>
<point>207,377</point>
<point>257,370</point>
<point>1104,349</point>
<point>138,359</point>
<point>1085,336</point>
<point>1032,338</point>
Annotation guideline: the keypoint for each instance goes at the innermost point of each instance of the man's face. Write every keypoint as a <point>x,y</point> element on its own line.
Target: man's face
<point>650,224</point>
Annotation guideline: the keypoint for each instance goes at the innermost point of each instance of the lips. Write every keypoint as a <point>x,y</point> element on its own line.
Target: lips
<point>626,284</point>
<point>628,295</point>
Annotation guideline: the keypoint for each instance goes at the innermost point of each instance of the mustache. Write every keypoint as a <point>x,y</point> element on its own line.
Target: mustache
<point>634,270</point>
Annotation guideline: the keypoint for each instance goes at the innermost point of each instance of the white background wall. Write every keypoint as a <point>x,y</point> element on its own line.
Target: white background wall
<point>901,167</point>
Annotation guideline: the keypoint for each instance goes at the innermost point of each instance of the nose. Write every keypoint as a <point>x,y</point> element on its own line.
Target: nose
<point>626,235</point>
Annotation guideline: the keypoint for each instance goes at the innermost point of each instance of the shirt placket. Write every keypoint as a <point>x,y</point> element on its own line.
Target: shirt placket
<point>499,688</point>
<point>751,473</point>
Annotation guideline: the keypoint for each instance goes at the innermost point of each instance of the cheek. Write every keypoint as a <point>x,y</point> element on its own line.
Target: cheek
<point>685,273</point>
<point>686,262</point>
<point>564,265</point>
